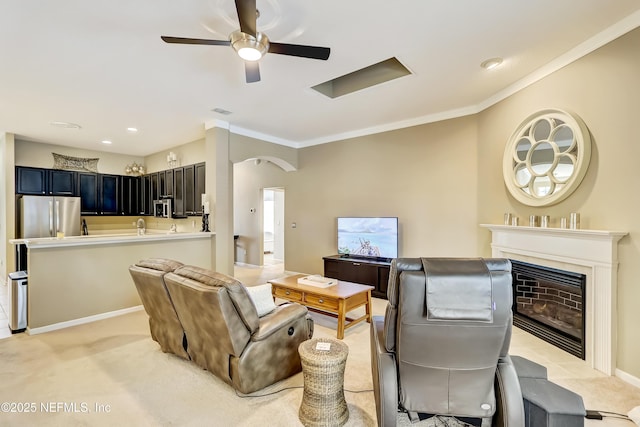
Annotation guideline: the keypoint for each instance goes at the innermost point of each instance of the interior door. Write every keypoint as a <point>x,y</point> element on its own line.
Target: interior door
<point>273,225</point>
<point>278,225</point>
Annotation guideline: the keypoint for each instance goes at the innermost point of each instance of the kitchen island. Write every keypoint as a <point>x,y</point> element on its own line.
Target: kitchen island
<point>79,279</point>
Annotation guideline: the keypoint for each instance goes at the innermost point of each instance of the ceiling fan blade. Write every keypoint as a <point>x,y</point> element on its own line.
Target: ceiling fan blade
<point>252,71</point>
<point>247,16</point>
<point>184,40</point>
<point>313,52</point>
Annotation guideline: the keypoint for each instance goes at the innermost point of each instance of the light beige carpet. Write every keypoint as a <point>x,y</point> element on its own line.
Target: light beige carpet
<point>110,373</point>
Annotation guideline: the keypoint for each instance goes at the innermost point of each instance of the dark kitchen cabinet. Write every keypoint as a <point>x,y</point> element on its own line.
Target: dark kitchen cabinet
<point>62,183</point>
<point>88,192</point>
<point>109,193</point>
<point>130,199</point>
<point>185,185</point>
<point>99,193</point>
<point>189,190</point>
<point>199,185</point>
<point>31,181</point>
<point>168,183</point>
<point>162,186</point>
<point>178,192</point>
<point>146,197</point>
<point>39,181</point>
<point>194,182</point>
<point>155,188</point>
<point>165,183</point>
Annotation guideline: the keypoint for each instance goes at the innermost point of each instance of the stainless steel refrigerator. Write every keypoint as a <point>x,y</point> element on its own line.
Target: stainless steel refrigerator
<point>46,216</point>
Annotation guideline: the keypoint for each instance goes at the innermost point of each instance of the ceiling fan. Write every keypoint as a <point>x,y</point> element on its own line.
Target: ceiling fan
<point>251,45</point>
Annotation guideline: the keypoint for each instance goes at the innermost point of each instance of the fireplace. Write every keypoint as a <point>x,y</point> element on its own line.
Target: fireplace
<point>593,253</point>
<point>550,304</point>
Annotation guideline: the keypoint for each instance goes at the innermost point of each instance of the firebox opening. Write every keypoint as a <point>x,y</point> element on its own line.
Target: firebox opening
<point>549,304</point>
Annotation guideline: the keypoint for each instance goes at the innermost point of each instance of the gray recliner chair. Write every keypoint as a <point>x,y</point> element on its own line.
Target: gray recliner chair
<point>442,346</point>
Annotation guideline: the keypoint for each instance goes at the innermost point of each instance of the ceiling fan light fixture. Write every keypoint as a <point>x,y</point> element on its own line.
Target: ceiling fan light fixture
<point>249,54</point>
<point>248,47</point>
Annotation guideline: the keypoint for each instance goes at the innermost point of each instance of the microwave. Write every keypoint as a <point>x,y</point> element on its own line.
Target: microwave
<point>162,208</point>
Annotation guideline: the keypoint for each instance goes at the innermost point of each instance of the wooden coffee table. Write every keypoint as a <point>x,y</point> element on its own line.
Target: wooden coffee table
<point>336,300</point>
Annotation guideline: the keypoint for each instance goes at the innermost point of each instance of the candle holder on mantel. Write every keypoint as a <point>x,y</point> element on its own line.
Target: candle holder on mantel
<point>205,221</point>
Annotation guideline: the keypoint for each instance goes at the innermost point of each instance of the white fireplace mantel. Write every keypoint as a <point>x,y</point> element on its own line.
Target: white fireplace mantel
<point>591,252</point>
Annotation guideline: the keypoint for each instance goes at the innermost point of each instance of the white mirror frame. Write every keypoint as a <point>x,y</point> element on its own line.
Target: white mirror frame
<point>579,152</point>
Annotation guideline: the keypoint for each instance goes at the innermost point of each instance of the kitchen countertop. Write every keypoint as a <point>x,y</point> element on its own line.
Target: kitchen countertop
<point>104,239</point>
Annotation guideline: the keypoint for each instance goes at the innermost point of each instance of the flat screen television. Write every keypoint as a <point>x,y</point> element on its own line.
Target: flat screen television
<point>368,237</point>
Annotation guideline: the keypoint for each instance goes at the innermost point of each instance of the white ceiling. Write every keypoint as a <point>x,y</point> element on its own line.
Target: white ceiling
<point>102,65</point>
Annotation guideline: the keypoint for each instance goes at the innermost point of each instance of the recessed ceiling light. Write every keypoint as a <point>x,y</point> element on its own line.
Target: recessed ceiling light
<point>491,63</point>
<point>221,111</point>
<point>65,125</point>
<point>132,130</point>
<point>106,141</point>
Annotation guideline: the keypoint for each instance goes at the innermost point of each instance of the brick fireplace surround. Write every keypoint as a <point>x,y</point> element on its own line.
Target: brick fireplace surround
<point>590,252</point>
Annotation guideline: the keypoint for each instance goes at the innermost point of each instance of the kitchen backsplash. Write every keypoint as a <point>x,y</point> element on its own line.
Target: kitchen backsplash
<point>120,224</point>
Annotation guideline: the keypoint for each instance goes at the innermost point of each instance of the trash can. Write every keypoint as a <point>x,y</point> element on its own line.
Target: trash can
<point>17,301</point>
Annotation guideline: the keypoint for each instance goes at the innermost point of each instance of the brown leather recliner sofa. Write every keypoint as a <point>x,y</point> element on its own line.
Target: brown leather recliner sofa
<point>442,346</point>
<point>224,334</point>
<point>166,329</point>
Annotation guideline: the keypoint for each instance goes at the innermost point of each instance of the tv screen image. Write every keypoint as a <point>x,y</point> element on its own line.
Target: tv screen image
<point>368,237</point>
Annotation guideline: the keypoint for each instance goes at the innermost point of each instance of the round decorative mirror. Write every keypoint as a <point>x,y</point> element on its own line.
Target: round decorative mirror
<point>546,157</point>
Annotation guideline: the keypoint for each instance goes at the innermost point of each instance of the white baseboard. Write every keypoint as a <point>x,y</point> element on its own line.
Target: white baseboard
<point>82,320</point>
<point>628,378</point>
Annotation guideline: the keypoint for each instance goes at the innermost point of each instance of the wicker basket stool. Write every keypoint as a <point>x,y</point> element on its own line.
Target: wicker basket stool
<point>323,403</point>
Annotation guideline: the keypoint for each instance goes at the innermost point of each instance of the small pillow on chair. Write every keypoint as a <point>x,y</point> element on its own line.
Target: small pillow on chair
<point>262,298</point>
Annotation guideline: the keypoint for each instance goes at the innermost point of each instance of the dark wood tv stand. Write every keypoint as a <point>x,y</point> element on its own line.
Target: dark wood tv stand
<point>358,270</point>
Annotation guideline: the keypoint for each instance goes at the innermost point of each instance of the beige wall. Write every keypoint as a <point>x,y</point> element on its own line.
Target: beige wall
<point>603,88</point>
<point>187,154</point>
<point>7,204</point>
<point>424,175</point>
<point>101,281</point>
<point>28,153</point>
<point>39,155</point>
<point>244,147</point>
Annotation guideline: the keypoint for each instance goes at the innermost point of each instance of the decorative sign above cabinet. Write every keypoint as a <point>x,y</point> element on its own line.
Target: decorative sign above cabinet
<point>547,157</point>
<point>60,161</point>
